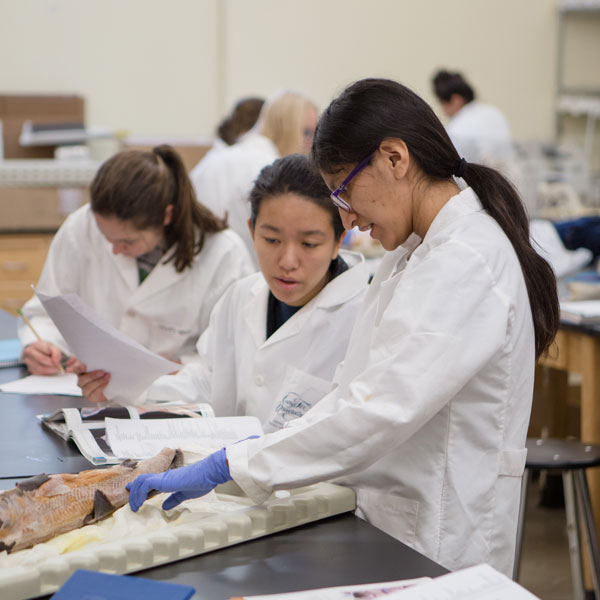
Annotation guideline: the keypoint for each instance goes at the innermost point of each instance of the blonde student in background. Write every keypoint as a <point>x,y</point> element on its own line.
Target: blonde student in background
<point>429,418</point>
<point>144,254</point>
<point>222,181</point>
<point>276,337</point>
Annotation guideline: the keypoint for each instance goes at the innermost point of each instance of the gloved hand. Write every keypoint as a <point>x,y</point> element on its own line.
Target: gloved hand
<point>188,482</point>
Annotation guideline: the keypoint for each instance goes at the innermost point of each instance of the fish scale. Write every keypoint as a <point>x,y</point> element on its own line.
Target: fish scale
<point>44,506</point>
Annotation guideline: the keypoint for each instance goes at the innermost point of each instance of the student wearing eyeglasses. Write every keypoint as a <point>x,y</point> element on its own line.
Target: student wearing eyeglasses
<point>276,337</point>
<point>429,418</point>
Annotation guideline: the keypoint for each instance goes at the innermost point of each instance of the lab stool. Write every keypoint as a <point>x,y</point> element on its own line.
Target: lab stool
<point>572,458</point>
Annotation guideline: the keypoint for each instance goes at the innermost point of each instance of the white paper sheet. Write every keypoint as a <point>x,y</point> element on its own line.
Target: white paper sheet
<point>61,385</point>
<point>145,438</point>
<point>475,583</point>
<point>346,592</point>
<point>99,345</point>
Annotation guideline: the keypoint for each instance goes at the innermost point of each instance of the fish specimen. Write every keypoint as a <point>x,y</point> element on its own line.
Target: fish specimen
<point>44,506</point>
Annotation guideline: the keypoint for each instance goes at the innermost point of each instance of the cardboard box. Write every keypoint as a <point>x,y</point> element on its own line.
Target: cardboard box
<point>38,208</point>
<point>15,109</point>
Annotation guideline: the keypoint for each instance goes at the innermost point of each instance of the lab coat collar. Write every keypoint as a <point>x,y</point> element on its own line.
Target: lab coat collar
<point>126,267</point>
<point>255,310</point>
<point>162,276</point>
<point>464,203</point>
<point>344,287</point>
<point>347,284</point>
<point>394,260</point>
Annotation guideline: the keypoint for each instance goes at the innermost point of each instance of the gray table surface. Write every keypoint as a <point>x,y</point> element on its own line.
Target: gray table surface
<point>341,550</point>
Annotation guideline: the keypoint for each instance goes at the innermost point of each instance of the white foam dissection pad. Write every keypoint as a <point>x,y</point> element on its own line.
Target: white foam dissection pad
<point>126,541</point>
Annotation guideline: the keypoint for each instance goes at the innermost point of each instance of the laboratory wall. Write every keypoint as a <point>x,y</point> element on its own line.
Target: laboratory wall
<point>174,68</point>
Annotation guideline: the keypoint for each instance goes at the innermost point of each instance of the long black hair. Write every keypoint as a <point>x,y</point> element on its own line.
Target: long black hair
<point>372,110</point>
<point>137,186</point>
<point>294,174</point>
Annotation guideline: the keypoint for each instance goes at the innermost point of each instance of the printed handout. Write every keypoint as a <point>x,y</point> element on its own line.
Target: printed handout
<point>141,438</point>
<point>99,345</point>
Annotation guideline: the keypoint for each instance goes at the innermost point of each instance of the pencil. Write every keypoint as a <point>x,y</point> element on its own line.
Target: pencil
<point>37,335</point>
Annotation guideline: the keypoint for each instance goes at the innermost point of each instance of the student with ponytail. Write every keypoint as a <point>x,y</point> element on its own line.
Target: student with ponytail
<point>144,254</point>
<point>429,418</point>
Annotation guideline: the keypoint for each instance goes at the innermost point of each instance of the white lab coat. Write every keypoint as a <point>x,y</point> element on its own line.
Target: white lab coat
<point>240,372</point>
<point>166,313</point>
<point>223,181</point>
<point>428,423</point>
<point>481,134</point>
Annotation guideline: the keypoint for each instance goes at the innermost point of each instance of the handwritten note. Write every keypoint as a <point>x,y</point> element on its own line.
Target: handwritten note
<point>145,438</point>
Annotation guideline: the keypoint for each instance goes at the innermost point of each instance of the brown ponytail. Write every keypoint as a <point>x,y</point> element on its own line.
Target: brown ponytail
<point>137,186</point>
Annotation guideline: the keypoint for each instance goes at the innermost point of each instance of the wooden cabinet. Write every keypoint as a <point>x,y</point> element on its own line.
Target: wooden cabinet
<point>22,257</point>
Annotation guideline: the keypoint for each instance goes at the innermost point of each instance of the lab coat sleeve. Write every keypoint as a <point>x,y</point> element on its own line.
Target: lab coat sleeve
<point>445,320</point>
<point>60,275</point>
<point>212,182</point>
<point>234,263</point>
<point>192,383</point>
<point>216,358</point>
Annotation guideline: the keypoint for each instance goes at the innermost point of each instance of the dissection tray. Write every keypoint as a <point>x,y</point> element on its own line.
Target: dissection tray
<point>152,537</point>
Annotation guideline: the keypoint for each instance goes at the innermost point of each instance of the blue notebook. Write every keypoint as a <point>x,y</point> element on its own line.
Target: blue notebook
<point>10,351</point>
<point>91,585</point>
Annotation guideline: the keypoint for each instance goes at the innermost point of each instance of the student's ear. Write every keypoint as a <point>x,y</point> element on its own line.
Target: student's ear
<point>168,215</point>
<point>251,229</point>
<point>455,103</point>
<point>393,157</point>
<point>338,245</point>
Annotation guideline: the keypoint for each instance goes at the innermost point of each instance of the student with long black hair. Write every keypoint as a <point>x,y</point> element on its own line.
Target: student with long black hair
<point>429,418</point>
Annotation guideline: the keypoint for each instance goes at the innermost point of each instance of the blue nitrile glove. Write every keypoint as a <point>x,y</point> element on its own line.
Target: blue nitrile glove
<point>188,482</point>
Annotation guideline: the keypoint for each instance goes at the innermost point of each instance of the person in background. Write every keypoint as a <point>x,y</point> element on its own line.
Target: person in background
<point>144,254</point>
<point>241,119</point>
<point>479,132</point>
<point>276,337</point>
<point>285,126</point>
<point>429,418</point>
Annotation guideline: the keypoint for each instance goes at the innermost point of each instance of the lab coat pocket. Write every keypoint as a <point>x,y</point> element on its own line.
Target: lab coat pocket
<point>169,339</point>
<point>512,462</point>
<point>298,393</point>
<point>508,492</point>
<point>394,514</point>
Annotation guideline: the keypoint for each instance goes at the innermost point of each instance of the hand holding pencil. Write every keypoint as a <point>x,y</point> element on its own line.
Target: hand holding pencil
<point>41,357</point>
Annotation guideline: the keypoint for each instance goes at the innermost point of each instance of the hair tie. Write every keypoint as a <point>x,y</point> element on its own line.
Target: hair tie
<point>460,170</point>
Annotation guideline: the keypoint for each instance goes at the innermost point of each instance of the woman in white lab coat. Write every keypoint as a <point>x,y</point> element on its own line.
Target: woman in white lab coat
<point>144,254</point>
<point>224,179</point>
<point>428,421</point>
<point>276,337</point>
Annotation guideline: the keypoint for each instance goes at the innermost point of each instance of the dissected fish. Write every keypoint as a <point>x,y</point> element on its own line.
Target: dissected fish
<point>44,506</point>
